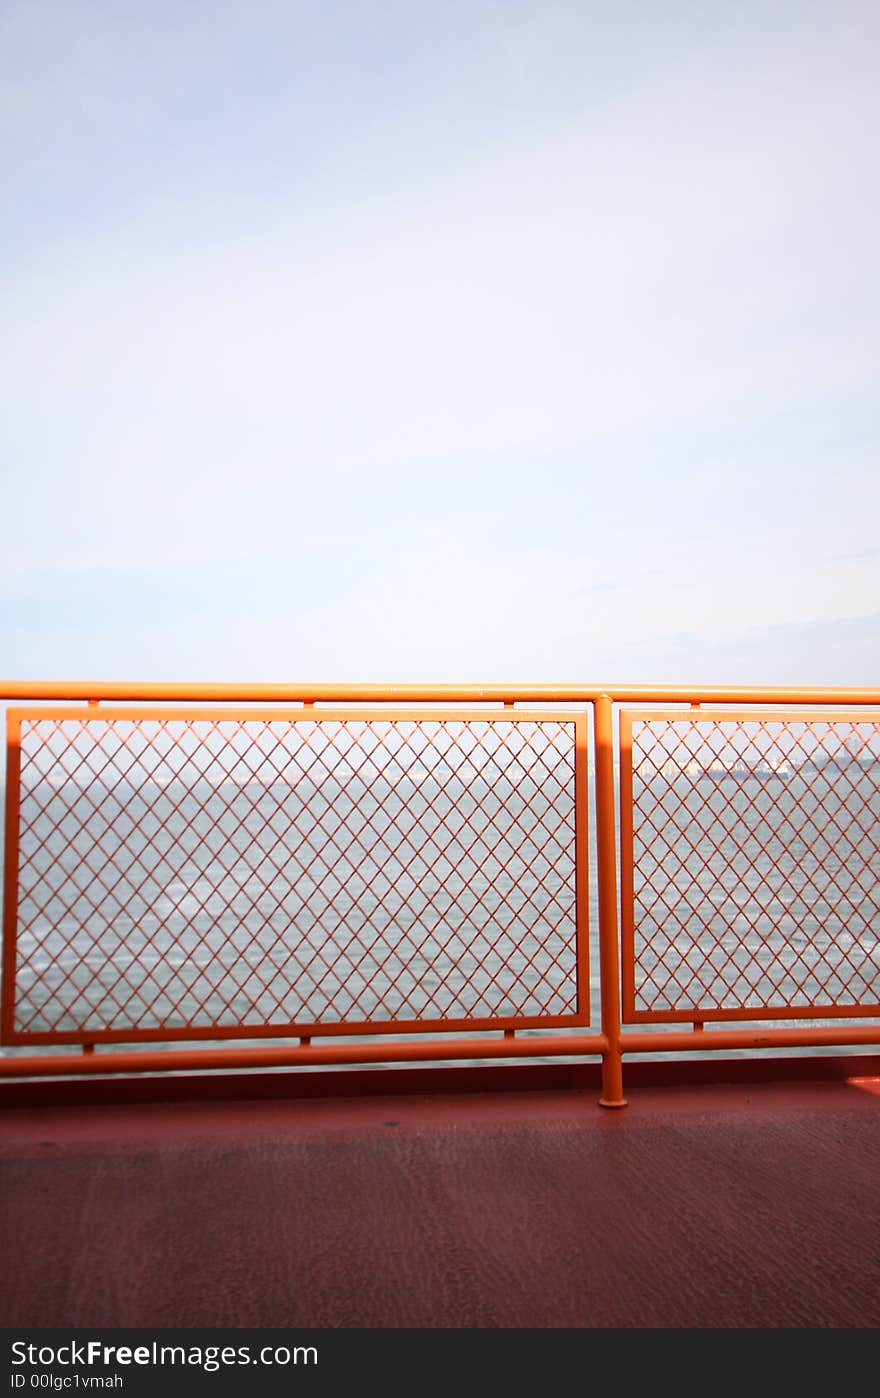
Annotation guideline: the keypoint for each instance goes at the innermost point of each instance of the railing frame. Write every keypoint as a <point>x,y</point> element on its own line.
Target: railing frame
<point>613,1041</point>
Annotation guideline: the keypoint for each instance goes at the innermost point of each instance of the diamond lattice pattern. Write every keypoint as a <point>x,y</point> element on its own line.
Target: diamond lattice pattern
<point>179,874</point>
<point>757,864</point>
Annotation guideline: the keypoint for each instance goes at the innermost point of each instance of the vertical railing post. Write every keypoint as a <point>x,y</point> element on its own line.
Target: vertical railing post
<point>10,879</point>
<point>606,853</point>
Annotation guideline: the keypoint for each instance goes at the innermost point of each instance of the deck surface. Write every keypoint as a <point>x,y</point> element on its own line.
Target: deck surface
<point>743,1205</point>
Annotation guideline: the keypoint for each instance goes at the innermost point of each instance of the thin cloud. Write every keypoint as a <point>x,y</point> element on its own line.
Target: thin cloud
<point>453,385</point>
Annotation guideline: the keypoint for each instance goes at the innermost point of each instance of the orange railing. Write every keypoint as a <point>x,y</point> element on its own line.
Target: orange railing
<point>403,873</point>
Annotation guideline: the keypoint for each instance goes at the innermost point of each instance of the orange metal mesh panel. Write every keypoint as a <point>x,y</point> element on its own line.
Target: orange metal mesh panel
<point>194,873</point>
<point>750,865</point>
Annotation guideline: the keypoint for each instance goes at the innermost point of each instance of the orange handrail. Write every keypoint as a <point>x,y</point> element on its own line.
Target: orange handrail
<point>334,693</point>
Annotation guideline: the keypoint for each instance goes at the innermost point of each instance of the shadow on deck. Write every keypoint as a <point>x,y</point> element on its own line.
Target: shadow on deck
<point>488,1197</point>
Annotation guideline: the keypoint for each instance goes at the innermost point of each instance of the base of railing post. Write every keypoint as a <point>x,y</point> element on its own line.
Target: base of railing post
<point>612,1081</point>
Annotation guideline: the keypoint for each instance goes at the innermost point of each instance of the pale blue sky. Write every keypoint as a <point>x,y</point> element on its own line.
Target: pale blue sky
<point>419,341</point>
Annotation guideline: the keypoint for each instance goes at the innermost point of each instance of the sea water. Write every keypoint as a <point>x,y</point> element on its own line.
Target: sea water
<point>352,901</point>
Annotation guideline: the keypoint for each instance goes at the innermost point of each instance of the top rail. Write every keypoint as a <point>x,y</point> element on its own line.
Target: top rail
<point>136,690</point>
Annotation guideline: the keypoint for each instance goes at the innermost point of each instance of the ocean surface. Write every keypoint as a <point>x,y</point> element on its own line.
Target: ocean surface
<point>354,899</point>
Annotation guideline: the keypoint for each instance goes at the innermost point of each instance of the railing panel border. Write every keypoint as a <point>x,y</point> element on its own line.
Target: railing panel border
<point>579,1018</point>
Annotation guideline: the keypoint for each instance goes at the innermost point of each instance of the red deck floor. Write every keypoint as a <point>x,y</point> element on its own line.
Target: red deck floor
<point>749,1204</point>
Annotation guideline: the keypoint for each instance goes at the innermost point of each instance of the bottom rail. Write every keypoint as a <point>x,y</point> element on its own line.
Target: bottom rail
<point>179,1060</point>
<point>675,1041</point>
<point>95,1062</point>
